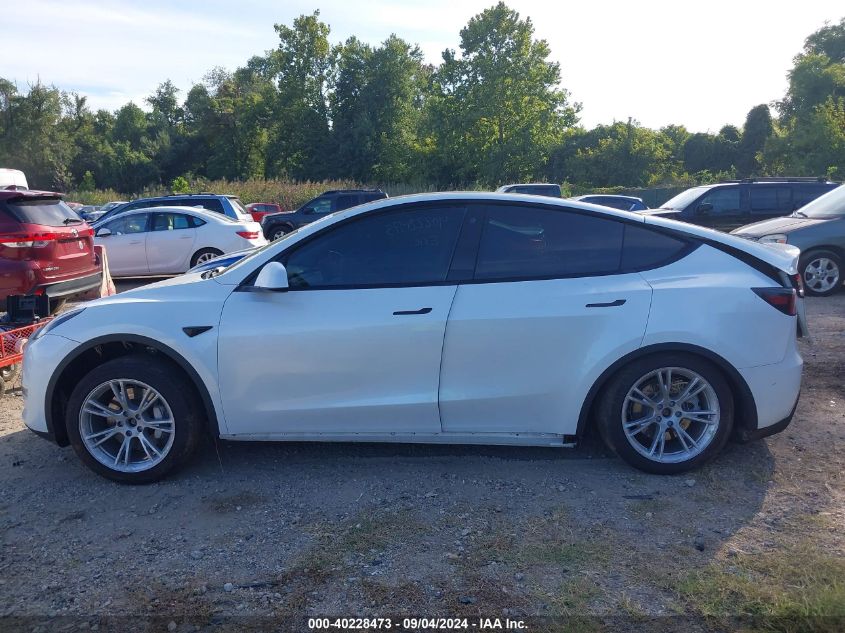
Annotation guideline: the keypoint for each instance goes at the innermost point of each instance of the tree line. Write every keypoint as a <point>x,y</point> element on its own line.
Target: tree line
<point>493,112</point>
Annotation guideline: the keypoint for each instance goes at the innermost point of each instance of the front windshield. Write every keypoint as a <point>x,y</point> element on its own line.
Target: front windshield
<point>680,202</point>
<point>830,205</point>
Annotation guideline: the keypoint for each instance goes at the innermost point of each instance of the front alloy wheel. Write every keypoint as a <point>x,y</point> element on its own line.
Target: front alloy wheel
<point>126,425</point>
<point>134,418</point>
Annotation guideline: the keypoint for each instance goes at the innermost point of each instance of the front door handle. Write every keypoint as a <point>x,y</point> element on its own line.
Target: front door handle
<point>409,312</point>
<point>609,304</point>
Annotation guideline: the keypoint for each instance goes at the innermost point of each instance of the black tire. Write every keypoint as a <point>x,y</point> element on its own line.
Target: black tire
<point>813,256</point>
<point>612,399</point>
<point>173,386</point>
<point>277,231</point>
<point>56,305</point>
<point>204,251</point>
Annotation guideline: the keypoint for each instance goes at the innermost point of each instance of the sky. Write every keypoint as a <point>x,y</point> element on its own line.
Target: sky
<point>702,64</point>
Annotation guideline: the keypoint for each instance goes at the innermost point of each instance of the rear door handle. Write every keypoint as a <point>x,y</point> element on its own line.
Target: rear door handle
<point>609,304</point>
<point>409,312</point>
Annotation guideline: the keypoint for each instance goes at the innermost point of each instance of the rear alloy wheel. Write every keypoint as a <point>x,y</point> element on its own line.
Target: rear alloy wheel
<point>204,255</point>
<point>667,413</point>
<point>821,272</point>
<point>133,419</point>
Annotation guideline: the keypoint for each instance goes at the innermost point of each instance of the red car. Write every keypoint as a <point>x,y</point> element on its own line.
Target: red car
<point>259,209</point>
<point>45,248</point>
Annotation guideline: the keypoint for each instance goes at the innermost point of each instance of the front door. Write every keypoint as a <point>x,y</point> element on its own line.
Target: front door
<point>354,346</point>
<point>126,246</point>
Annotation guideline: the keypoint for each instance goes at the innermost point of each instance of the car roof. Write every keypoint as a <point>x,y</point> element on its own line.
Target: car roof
<point>7,194</point>
<point>199,211</point>
<point>615,196</point>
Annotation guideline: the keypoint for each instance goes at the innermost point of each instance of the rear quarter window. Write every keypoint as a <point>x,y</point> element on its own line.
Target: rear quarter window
<point>645,248</point>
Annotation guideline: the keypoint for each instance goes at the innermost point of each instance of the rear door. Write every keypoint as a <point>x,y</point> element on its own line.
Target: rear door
<point>770,201</point>
<point>170,242</point>
<point>549,308</point>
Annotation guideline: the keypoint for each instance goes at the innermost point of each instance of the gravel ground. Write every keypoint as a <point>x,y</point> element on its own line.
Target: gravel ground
<point>262,535</point>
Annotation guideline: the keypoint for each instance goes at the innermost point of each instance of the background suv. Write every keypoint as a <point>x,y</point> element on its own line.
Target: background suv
<point>229,206</point>
<point>729,205</point>
<point>818,229</point>
<point>275,225</point>
<point>45,248</point>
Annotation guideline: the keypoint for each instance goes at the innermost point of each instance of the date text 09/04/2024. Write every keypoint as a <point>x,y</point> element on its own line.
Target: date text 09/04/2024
<point>417,624</point>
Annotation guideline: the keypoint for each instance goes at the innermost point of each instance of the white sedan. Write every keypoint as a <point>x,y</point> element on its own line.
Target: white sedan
<point>444,318</point>
<point>170,240</point>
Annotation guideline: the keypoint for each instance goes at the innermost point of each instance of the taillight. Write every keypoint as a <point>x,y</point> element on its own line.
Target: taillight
<point>249,235</point>
<point>27,240</point>
<point>782,299</point>
<point>797,283</point>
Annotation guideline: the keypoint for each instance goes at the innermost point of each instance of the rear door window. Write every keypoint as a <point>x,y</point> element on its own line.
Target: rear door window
<point>171,222</point>
<point>523,242</point>
<point>47,212</point>
<point>211,204</point>
<point>767,199</point>
<point>345,201</point>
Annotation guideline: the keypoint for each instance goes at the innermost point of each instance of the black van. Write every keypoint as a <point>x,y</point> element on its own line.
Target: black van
<point>732,204</point>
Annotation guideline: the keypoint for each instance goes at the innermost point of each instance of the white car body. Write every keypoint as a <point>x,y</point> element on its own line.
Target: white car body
<point>503,362</point>
<point>172,251</point>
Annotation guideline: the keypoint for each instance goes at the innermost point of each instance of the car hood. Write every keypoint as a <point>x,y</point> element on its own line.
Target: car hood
<point>775,225</point>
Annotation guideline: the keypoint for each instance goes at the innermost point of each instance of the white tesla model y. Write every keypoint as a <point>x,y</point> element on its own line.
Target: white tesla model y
<point>459,318</point>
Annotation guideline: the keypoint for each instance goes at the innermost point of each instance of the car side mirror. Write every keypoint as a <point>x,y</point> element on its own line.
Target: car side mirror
<point>103,233</point>
<point>272,278</point>
<point>704,208</point>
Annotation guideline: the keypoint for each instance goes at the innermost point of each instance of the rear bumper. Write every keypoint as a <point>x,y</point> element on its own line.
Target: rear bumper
<point>72,286</point>
<point>775,389</point>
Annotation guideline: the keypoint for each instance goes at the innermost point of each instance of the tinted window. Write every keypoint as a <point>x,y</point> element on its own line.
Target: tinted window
<point>170,222</point>
<point>399,247</point>
<point>346,201</point>
<point>126,225</point>
<point>50,212</point>
<point>614,203</point>
<point>211,204</point>
<point>644,248</point>
<point>520,241</point>
<point>725,201</point>
<point>550,190</point>
<point>319,205</point>
<point>765,199</point>
<point>372,195</point>
<point>195,222</point>
<point>803,194</point>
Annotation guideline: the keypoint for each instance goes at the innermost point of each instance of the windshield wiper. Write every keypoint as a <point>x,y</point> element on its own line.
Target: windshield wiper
<point>67,221</point>
<point>800,214</point>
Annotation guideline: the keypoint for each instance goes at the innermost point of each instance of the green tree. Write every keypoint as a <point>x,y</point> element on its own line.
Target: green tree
<point>302,65</point>
<point>756,131</point>
<point>498,109</point>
